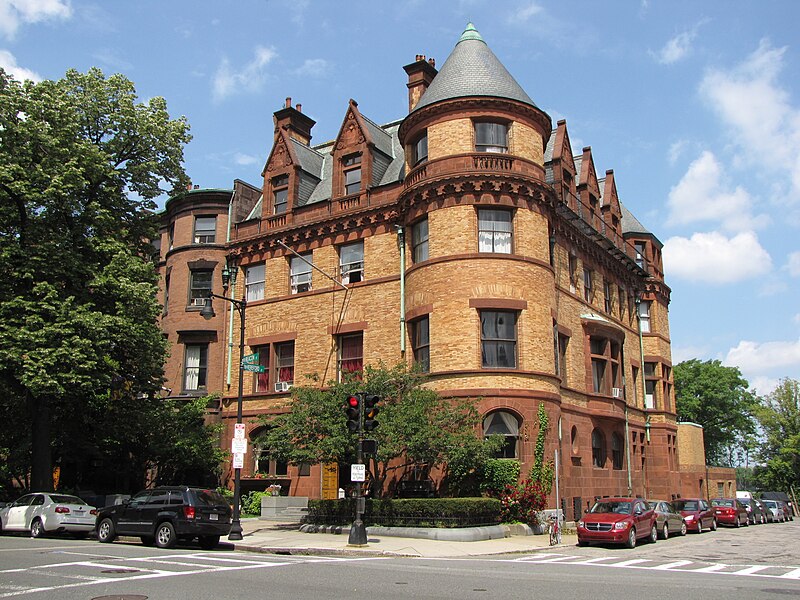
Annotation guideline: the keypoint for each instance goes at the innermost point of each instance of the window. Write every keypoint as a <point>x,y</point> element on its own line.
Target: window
<point>598,449</point>
<point>205,230</point>
<point>419,152</point>
<point>644,316</point>
<point>419,240</point>
<point>587,284</point>
<point>351,356</point>
<point>281,356</point>
<point>616,451</point>
<point>499,339</point>
<point>491,137</point>
<point>421,343</point>
<point>267,465</point>
<point>166,293</point>
<point>254,282</point>
<point>494,231</point>
<point>635,373</point>
<point>352,174</point>
<point>650,385</point>
<point>608,297</point>
<point>640,253</point>
<point>606,373</point>
<point>284,363</point>
<point>300,268</point>
<point>200,286</point>
<point>196,366</point>
<point>351,262</point>
<point>261,380</point>
<point>280,194</point>
<point>503,423</point>
<point>171,235</point>
<point>621,295</point>
<point>562,341</point>
<point>573,273</point>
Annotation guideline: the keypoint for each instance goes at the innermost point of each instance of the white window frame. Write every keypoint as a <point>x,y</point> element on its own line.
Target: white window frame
<point>351,262</point>
<point>194,298</point>
<point>497,137</point>
<point>205,234</point>
<point>495,231</point>
<point>644,316</point>
<point>254,276</point>
<point>300,273</point>
<point>419,243</point>
<point>195,367</point>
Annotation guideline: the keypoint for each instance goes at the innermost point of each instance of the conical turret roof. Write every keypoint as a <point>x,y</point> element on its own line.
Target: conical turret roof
<point>472,69</point>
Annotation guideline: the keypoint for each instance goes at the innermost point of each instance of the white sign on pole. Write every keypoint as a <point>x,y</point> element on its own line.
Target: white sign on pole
<point>358,472</point>
<point>238,461</point>
<point>238,431</point>
<point>239,445</point>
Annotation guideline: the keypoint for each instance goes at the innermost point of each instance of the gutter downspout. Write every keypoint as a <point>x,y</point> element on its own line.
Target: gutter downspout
<point>230,312</point>
<point>401,240</point>
<point>627,426</point>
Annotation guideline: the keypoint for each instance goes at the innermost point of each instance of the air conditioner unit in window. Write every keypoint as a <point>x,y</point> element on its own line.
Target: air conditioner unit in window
<point>616,392</point>
<point>282,386</point>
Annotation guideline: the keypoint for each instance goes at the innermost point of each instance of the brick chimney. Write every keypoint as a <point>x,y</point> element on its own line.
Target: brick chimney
<point>420,74</point>
<point>294,121</point>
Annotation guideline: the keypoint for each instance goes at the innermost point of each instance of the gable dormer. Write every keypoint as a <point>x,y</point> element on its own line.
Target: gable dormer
<point>612,215</point>
<point>588,190</point>
<point>280,180</point>
<point>564,166</point>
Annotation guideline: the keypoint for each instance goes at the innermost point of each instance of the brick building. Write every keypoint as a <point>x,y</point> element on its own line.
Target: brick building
<point>470,238</point>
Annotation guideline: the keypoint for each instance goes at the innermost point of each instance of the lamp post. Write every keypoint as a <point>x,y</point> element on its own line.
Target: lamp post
<point>229,273</point>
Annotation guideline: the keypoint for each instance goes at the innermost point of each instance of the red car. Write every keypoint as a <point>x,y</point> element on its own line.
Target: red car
<point>730,512</point>
<point>618,521</point>
<point>697,514</point>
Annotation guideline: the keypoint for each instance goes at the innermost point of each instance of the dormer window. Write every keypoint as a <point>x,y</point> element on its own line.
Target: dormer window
<point>491,137</point>
<point>280,194</point>
<point>420,150</point>
<point>352,174</point>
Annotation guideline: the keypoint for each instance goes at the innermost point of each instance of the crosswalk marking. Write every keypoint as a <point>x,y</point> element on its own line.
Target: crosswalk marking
<point>672,565</point>
<point>710,568</point>
<point>795,574</point>
<point>751,570</point>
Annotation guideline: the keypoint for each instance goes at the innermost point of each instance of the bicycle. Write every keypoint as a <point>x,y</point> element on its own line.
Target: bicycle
<point>555,530</point>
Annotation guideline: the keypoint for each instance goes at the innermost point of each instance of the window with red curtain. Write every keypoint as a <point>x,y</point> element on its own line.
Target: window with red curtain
<point>351,355</point>
<point>284,362</point>
<point>262,379</point>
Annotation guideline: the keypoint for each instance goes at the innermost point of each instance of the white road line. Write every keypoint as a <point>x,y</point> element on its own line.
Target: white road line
<point>709,568</point>
<point>628,563</point>
<point>750,570</point>
<point>672,565</point>
<point>794,574</point>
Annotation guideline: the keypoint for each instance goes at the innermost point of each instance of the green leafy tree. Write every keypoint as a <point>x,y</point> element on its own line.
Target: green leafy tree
<point>80,162</point>
<point>716,397</point>
<point>779,417</point>
<point>417,428</point>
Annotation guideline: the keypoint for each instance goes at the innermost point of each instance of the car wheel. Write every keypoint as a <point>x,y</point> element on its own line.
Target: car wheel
<point>713,524</point>
<point>105,531</point>
<point>148,540</point>
<point>37,528</point>
<point>631,543</point>
<point>664,532</point>
<point>738,522</point>
<point>209,542</point>
<point>654,534</point>
<point>683,528</point>
<point>165,535</point>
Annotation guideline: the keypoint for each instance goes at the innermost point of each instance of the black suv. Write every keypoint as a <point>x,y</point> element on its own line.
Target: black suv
<point>166,514</point>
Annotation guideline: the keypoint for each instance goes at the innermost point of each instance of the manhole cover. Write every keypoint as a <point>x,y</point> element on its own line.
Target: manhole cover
<point>120,571</point>
<point>121,597</point>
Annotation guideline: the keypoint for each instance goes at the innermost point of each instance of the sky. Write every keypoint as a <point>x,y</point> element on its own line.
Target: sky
<point>694,104</point>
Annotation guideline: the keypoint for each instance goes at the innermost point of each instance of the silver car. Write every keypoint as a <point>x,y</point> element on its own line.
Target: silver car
<point>43,513</point>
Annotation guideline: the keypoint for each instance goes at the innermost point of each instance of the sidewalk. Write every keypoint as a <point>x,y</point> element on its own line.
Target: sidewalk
<point>285,538</point>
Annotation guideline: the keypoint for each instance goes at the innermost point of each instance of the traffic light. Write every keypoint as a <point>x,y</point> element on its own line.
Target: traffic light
<point>370,411</point>
<point>352,408</point>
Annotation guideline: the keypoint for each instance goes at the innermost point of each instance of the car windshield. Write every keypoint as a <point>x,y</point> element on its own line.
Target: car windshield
<point>771,503</point>
<point>728,503</point>
<point>64,499</point>
<point>210,498</point>
<point>621,508</point>
<point>685,505</point>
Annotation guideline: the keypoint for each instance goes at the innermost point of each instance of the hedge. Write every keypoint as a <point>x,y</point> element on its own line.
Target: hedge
<point>412,512</point>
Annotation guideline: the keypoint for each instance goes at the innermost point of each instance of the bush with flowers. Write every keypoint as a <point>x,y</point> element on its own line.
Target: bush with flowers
<point>523,502</point>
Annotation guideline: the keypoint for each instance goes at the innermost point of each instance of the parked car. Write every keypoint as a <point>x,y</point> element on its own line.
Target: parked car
<point>166,514</point>
<point>618,521</point>
<point>782,496</point>
<point>730,511</point>
<point>42,513</point>
<point>787,510</point>
<point>756,512</point>
<point>668,520</point>
<point>697,514</point>
<point>777,515</point>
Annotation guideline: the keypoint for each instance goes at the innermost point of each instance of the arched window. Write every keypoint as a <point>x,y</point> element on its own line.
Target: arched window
<point>616,450</point>
<point>573,437</point>
<point>598,448</point>
<point>503,423</point>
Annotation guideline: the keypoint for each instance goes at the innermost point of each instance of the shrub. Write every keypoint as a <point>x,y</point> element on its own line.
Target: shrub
<point>523,502</point>
<point>498,474</point>
<point>251,502</point>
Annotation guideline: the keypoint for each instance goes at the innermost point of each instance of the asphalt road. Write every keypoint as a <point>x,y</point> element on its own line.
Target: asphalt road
<point>755,562</point>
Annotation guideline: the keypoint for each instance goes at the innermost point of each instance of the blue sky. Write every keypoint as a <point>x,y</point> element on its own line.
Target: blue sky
<point>694,105</point>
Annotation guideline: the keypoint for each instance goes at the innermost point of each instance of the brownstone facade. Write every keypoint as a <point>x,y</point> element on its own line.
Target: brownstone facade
<point>470,237</point>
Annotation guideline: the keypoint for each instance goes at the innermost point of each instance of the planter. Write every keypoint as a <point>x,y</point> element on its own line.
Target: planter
<point>283,506</point>
<point>538,529</point>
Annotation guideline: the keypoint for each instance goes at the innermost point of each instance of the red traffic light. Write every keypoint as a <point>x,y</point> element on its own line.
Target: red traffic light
<point>353,401</point>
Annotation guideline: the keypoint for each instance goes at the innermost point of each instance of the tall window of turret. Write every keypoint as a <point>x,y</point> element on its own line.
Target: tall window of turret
<point>491,137</point>
<point>644,316</point>
<point>499,339</point>
<point>419,151</point>
<point>205,230</point>
<point>351,166</point>
<point>419,240</point>
<point>494,231</point>
<point>280,194</point>
<point>640,250</point>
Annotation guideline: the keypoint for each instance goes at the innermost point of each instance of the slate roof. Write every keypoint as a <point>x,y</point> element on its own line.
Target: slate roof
<point>631,224</point>
<point>472,69</point>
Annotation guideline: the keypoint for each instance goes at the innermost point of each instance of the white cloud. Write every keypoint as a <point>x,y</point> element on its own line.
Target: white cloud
<point>700,196</point>
<point>523,13</point>
<point>763,386</point>
<point>250,78</point>
<point>676,49</point>
<point>715,259</point>
<point>760,359</point>
<point>758,112</point>
<point>9,64</point>
<point>14,13</point>
<point>244,159</point>
<point>793,264</point>
<point>313,67</point>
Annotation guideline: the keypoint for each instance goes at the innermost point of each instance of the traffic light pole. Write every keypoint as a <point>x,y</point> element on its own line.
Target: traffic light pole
<point>358,531</point>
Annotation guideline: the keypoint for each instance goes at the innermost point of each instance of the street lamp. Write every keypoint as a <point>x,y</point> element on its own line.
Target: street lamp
<point>229,273</point>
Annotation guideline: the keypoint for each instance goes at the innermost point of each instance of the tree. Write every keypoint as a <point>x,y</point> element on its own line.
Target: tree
<point>80,162</point>
<point>779,417</point>
<point>716,397</point>
<point>417,428</point>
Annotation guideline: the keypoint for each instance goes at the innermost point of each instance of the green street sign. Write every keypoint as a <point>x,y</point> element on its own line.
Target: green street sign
<point>250,359</point>
<point>254,368</point>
